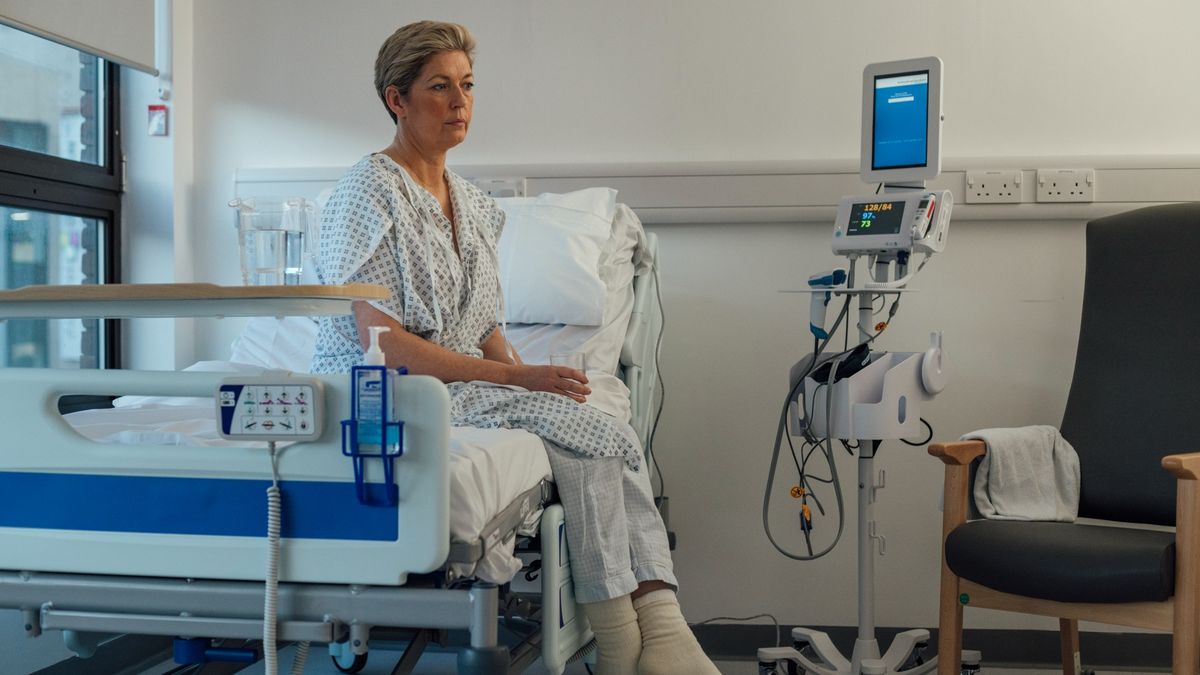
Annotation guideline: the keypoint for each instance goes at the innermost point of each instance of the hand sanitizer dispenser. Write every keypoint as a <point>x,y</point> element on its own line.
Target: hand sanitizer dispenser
<point>370,392</point>
<point>371,433</point>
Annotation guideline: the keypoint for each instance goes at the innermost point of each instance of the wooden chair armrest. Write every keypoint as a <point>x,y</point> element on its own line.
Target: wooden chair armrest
<point>960,453</point>
<point>1183,467</point>
<point>1186,467</point>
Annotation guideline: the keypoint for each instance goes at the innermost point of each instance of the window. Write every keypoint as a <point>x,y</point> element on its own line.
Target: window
<point>54,103</point>
<point>60,185</point>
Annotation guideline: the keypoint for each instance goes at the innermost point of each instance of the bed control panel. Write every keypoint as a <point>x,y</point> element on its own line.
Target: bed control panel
<point>270,408</point>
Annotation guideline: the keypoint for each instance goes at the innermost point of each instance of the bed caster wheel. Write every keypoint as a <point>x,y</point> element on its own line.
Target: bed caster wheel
<point>347,661</point>
<point>483,661</point>
<point>355,665</point>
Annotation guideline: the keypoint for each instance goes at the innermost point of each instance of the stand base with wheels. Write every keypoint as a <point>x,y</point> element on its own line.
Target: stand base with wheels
<point>814,653</point>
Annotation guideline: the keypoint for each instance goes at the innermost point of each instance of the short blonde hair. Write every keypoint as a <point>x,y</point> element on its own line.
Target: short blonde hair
<point>402,55</point>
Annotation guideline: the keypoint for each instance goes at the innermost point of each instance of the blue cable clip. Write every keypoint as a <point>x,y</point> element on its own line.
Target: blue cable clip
<point>390,440</point>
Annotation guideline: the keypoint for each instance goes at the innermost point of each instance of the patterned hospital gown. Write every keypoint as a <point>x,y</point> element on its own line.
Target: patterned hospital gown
<point>381,227</point>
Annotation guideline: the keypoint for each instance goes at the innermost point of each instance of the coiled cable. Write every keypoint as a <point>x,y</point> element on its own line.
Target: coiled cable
<point>271,596</point>
<point>301,658</point>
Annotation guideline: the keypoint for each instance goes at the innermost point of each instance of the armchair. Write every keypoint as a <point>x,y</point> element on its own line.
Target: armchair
<point>1131,410</point>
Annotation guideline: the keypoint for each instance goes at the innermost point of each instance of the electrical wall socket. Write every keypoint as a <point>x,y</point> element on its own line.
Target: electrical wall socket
<point>1066,185</point>
<point>993,186</point>
<point>501,187</point>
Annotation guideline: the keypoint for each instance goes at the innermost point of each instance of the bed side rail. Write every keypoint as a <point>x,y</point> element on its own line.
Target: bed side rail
<point>639,364</point>
<point>70,504</point>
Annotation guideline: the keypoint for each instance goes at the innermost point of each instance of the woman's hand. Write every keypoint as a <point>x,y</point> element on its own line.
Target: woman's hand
<point>555,379</point>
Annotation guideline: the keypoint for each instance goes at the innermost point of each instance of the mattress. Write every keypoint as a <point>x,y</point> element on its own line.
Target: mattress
<point>491,470</point>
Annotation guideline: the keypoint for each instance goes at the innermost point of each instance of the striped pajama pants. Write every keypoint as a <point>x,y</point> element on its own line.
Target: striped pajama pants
<point>615,536</point>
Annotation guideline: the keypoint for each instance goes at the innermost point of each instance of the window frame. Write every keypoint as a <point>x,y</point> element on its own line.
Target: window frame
<point>74,188</point>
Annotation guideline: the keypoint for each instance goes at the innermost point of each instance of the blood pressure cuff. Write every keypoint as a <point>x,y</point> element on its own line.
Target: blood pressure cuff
<point>858,359</point>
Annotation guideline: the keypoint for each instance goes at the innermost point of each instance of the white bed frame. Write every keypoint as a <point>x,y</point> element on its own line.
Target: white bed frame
<point>87,580</point>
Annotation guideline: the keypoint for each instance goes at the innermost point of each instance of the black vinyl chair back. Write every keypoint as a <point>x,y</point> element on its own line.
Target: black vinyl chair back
<point>1135,395</point>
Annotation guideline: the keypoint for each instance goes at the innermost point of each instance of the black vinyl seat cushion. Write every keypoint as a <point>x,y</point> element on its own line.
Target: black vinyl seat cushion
<point>1066,562</point>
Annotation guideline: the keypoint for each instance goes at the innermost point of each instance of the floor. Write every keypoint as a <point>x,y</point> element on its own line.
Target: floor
<point>382,661</point>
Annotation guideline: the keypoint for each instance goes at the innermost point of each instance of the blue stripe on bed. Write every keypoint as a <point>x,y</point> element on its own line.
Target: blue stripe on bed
<point>198,506</point>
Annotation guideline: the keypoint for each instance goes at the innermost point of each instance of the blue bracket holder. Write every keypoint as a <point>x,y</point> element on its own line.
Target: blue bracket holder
<point>200,650</point>
<point>392,446</point>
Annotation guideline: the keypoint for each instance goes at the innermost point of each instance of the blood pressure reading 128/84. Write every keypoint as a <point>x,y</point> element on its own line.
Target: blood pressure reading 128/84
<point>875,218</point>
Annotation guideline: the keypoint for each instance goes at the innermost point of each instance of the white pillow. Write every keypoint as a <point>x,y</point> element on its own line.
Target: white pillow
<point>550,256</point>
<point>624,255</point>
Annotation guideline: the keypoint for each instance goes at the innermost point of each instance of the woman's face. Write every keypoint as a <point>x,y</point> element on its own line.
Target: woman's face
<point>436,113</point>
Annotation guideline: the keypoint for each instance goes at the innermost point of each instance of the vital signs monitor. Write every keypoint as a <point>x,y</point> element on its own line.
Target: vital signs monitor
<point>914,221</point>
<point>902,121</point>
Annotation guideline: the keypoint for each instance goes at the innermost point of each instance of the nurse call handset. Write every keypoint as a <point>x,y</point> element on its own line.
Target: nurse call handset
<point>273,407</point>
<point>278,407</point>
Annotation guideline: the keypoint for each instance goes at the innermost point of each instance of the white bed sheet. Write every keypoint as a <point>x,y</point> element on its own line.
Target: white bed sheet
<point>489,468</point>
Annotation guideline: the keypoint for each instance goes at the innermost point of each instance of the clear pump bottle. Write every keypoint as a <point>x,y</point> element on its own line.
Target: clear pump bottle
<point>369,391</point>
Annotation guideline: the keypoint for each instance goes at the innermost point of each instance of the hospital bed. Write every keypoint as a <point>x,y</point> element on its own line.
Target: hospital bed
<point>140,520</point>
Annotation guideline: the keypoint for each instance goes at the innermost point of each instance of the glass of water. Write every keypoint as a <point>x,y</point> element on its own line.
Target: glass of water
<point>576,360</point>
<point>293,257</point>
<point>272,257</point>
<point>272,239</point>
<point>264,252</point>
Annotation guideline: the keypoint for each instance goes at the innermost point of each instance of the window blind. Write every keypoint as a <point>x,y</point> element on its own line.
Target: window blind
<point>121,31</point>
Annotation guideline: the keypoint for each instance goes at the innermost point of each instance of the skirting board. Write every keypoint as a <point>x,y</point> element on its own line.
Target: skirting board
<point>793,192</point>
<point>1140,652</point>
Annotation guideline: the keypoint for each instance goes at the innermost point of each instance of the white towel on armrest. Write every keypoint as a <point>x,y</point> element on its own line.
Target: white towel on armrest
<point>1028,473</point>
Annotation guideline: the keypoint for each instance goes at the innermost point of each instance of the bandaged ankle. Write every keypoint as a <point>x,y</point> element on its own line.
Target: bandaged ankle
<point>668,646</point>
<point>618,638</point>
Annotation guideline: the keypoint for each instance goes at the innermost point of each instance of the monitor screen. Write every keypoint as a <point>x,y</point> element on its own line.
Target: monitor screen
<point>875,218</point>
<point>899,138</point>
<point>901,141</point>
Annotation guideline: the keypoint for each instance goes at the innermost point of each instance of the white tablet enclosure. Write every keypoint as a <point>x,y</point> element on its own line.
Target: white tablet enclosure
<point>902,121</point>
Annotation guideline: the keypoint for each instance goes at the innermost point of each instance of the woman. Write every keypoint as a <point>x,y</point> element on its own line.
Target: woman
<point>399,218</point>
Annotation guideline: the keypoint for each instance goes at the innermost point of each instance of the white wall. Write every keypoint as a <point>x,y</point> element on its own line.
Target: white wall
<point>281,83</point>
